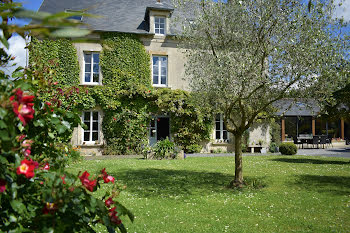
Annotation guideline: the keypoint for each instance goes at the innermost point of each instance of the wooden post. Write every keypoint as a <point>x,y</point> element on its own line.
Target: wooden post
<point>313,126</point>
<point>342,129</point>
<point>283,130</point>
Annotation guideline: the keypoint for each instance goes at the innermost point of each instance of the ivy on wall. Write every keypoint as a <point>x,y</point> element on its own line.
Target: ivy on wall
<point>125,62</point>
<point>126,97</point>
<point>59,56</point>
<point>189,124</point>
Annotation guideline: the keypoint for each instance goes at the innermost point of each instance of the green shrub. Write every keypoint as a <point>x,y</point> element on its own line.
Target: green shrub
<point>195,148</point>
<point>164,149</point>
<point>273,148</point>
<point>288,148</point>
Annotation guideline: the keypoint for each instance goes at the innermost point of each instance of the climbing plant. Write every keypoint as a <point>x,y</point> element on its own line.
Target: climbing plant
<point>126,97</point>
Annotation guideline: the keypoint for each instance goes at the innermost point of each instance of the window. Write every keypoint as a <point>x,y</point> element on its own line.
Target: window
<point>220,129</point>
<point>91,68</point>
<point>91,120</point>
<point>160,70</point>
<point>159,25</point>
<point>78,15</point>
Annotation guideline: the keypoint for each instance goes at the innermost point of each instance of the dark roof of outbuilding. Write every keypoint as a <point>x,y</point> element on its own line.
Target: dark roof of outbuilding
<point>290,107</point>
<point>115,15</point>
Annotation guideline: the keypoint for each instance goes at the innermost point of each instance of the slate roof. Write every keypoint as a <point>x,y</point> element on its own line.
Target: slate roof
<point>115,15</point>
<point>289,107</point>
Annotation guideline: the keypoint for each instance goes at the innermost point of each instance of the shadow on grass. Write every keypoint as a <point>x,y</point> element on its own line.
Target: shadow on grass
<point>336,185</point>
<point>167,183</point>
<point>311,161</point>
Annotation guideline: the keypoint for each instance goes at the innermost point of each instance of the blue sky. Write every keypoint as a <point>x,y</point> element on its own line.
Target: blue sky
<point>30,5</point>
<point>17,44</point>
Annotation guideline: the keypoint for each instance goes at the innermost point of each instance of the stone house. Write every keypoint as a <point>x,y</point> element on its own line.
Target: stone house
<point>151,21</point>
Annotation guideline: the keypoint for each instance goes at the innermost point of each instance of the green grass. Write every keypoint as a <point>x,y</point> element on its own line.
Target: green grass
<point>300,194</point>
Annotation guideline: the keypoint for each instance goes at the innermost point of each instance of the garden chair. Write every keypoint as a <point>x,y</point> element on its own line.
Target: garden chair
<point>323,140</point>
<point>315,141</point>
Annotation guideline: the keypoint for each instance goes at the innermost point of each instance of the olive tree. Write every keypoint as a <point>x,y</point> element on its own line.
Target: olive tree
<point>244,55</point>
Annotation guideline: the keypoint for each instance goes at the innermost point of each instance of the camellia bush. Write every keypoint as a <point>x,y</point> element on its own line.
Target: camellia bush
<point>37,194</point>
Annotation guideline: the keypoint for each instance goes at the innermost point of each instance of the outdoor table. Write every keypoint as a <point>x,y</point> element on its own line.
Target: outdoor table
<point>305,139</point>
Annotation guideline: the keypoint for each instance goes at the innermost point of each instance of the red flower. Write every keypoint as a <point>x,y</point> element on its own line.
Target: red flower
<point>109,202</point>
<point>49,208</point>
<point>3,186</point>
<point>48,103</point>
<point>27,147</point>
<point>63,179</point>
<point>55,83</point>
<point>103,171</point>
<point>27,143</point>
<point>113,215</point>
<point>46,167</point>
<point>27,168</point>
<point>21,137</point>
<point>107,178</point>
<point>26,152</point>
<point>23,107</point>
<point>89,184</point>
<point>114,118</point>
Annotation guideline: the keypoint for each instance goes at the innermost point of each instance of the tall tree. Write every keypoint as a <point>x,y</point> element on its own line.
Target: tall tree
<point>244,55</point>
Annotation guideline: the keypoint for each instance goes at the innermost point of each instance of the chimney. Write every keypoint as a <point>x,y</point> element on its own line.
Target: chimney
<point>158,1</point>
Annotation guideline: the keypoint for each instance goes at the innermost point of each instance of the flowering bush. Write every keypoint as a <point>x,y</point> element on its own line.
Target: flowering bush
<point>36,193</point>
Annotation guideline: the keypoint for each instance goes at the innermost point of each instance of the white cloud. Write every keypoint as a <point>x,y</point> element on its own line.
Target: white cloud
<point>17,50</point>
<point>343,10</point>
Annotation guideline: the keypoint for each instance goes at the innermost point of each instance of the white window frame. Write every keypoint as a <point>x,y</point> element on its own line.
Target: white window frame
<point>91,127</point>
<point>221,130</point>
<point>92,69</point>
<point>157,18</point>
<point>159,71</point>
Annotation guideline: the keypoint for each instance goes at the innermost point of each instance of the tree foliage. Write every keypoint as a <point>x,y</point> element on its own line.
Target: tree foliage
<point>244,55</point>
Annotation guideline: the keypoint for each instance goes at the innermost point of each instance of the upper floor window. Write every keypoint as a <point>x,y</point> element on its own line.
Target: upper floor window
<point>159,25</point>
<point>92,68</point>
<point>91,120</point>
<point>220,129</point>
<point>160,70</point>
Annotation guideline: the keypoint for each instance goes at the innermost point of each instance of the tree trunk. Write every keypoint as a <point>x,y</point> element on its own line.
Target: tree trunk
<point>238,181</point>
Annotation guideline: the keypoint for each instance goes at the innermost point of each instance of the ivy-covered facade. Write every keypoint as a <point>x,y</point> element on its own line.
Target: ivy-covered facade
<point>128,81</point>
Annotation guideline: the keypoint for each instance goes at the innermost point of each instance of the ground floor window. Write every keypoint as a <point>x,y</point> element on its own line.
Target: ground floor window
<point>220,129</point>
<point>91,119</point>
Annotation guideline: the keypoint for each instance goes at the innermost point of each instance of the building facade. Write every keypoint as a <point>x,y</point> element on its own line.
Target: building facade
<point>151,21</point>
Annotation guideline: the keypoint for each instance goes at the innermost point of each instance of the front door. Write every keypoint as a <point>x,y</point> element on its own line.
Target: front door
<point>159,129</point>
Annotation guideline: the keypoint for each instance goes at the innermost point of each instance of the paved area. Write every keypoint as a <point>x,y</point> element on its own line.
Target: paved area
<point>343,152</point>
<point>329,152</point>
<point>113,157</point>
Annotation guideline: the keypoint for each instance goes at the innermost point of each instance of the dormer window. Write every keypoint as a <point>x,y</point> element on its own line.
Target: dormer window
<point>159,25</point>
<point>78,15</point>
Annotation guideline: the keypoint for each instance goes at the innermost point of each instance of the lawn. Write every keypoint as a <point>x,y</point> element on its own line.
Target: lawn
<point>286,194</point>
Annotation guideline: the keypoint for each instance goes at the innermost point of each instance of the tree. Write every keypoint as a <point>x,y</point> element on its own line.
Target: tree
<point>244,55</point>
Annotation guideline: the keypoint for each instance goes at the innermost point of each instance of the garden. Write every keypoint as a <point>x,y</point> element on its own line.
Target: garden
<point>283,194</point>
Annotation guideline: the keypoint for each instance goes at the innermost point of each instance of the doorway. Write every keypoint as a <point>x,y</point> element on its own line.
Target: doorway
<point>159,129</point>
